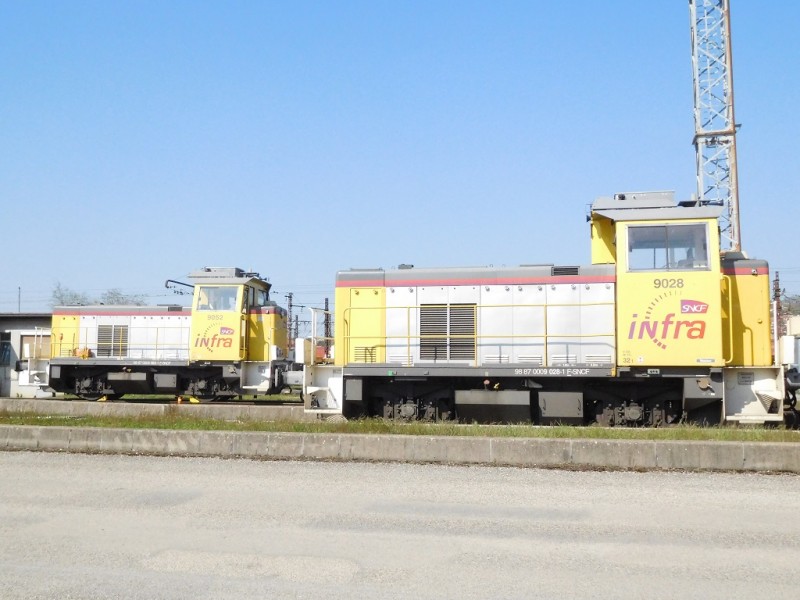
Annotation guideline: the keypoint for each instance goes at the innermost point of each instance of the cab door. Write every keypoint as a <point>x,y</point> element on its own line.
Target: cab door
<point>668,294</point>
<point>217,332</point>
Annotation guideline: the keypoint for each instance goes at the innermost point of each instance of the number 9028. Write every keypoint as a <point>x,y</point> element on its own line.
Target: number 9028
<point>668,283</point>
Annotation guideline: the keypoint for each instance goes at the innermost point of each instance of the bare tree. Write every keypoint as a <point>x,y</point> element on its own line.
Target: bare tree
<point>115,296</point>
<point>63,296</point>
<point>791,304</point>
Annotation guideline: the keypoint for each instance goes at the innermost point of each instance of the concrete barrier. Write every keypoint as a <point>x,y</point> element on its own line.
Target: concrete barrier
<point>517,452</point>
<point>221,410</point>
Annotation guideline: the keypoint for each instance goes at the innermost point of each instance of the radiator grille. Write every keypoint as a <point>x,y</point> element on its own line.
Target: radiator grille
<point>432,324</point>
<point>447,332</point>
<point>112,340</point>
<point>564,271</point>
<point>462,324</point>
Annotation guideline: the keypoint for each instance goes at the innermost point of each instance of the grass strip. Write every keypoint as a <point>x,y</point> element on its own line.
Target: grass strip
<point>377,426</point>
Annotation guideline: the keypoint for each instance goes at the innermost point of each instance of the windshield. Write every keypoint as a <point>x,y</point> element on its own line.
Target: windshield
<point>667,247</point>
<point>216,298</point>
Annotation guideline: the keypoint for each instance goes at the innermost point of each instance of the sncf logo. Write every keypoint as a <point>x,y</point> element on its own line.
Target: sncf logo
<point>214,341</point>
<point>662,326</point>
<point>223,339</point>
<point>693,307</point>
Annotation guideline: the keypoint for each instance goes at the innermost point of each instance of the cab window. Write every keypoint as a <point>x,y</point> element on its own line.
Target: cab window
<point>261,298</point>
<point>216,298</point>
<point>668,247</point>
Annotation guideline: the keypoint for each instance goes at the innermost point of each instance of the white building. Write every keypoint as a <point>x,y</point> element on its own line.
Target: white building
<point>24,354</point>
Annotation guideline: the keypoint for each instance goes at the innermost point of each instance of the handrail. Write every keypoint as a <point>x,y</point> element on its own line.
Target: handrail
<point>546,337</point>
<point>315,338</point>
<point>729,360</point>
<point>82,342</point>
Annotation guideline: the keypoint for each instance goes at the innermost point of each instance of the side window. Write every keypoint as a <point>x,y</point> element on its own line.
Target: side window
<point>5,348</point>
<point>260,297</point>
<point>668,247</point>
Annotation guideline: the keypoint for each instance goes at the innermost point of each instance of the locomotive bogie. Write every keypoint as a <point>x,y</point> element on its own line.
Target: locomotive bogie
<point>605,401</point>
<point>92,381</point>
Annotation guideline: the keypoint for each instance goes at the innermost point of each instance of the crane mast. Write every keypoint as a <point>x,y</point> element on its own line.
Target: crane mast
<point>715,127</point>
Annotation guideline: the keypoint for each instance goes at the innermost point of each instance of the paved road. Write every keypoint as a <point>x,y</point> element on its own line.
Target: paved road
<point>78,526</point>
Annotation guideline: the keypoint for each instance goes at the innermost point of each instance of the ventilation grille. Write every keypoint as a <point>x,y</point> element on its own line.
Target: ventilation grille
<point>598,358</point>
<point>462,324</point>
<point>112,340</point>
<point>433,323</point>
<point>401,359</point>
<point>534,359</point>
<point>564,271</point>
<point>496,359</point>
<point>447,332</point>
<point>365,354</point>
<point>564,359</point>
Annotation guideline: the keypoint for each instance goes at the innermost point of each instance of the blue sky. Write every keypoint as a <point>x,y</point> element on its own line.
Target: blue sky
<point>143,140</point>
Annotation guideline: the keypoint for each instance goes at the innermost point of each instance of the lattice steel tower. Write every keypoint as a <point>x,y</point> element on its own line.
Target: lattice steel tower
<point>714,124</point>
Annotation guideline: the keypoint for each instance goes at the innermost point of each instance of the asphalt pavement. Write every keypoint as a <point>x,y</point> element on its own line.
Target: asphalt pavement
<point>111,526</point>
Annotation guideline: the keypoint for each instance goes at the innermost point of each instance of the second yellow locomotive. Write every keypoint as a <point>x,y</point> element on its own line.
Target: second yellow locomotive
<point>232,341</point>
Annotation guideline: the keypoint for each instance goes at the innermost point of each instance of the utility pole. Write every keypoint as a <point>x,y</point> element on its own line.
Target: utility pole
<point>289,298</point>
<point>780,321</point>
<point>715,126</point>
<point>327,330</point>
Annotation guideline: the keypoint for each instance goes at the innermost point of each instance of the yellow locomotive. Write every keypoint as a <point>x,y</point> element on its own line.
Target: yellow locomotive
<point>232,341</point>
<point>661,327</point>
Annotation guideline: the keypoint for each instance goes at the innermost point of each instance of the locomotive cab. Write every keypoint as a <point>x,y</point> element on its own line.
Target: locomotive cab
<point>668,282</point>
<point>233,318</point>
<point>218,323</point>
<point>687,312</point>
<point>235,323</point>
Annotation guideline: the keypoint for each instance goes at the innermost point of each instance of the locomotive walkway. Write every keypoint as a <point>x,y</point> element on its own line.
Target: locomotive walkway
<point>519,452</point>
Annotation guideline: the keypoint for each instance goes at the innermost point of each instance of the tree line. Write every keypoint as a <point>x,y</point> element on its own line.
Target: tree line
<point>64,296</point>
